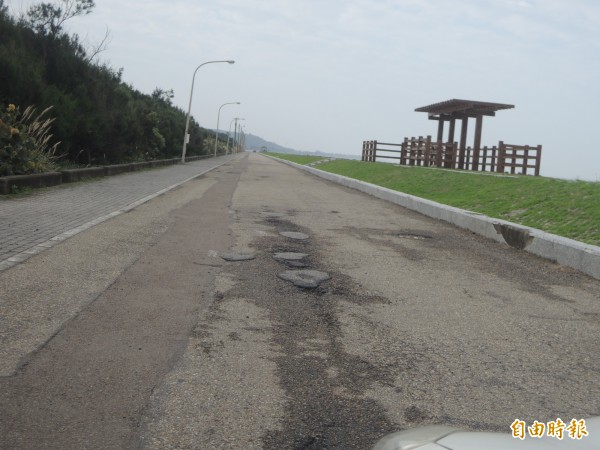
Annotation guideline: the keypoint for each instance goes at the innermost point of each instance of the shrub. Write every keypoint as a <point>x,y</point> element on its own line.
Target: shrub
<point>25,142</point>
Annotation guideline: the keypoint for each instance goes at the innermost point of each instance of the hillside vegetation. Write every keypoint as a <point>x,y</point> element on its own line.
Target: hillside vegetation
<point>563,207</point>
<point>96,117</point>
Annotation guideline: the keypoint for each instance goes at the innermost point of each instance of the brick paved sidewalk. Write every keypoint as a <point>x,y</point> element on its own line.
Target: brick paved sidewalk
<point>30,224</point>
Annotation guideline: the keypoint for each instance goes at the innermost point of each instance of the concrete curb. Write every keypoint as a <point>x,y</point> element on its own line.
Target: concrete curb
<point>20,257</point>
<point>564,251</point>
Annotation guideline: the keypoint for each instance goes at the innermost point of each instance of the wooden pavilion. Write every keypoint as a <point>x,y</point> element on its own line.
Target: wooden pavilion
<point>452,110</point>
<point>448,154</point>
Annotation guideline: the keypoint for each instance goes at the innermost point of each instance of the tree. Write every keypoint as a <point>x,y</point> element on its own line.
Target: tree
<point>163,95</point>
<point>48,19</point>
<point>93,50</point>
<point>98,118</point>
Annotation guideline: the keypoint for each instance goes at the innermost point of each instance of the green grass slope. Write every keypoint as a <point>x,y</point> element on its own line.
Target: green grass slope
<point>563,207</point>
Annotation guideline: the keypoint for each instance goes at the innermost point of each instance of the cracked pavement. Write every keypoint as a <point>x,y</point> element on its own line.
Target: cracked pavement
<point>420,323</point>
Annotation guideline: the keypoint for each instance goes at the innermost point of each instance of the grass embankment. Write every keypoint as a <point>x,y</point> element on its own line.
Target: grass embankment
<point>563,207</point>
<point>300,159</point>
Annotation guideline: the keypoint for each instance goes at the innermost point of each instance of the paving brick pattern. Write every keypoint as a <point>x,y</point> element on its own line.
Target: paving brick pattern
<point>29,223</point>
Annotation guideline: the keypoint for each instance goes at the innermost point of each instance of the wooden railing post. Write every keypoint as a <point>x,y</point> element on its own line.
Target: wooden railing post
<point>468,159</point>
<point>438,153</point>
<point>484,158</point>
<point>538,160</point>
<point>513,160</point>
<point>454,155</point>
<point>525,160</point>
<point>403,150</point>
<point>501,156</point>
<point>427,151</point>
<point>420,151</point>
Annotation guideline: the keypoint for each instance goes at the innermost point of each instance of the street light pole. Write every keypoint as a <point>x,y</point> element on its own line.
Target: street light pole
<point>235,131</point>
<point>235,136</point>
<point>218,117</point>
<point>228,135</point>
<point>243,139</point>
<point>186,136</point>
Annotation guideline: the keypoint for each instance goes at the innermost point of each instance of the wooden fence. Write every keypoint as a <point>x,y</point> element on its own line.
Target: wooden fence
<point>422,151</point>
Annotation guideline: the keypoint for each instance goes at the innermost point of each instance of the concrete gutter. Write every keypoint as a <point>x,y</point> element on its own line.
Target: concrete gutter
<point>564,251</point>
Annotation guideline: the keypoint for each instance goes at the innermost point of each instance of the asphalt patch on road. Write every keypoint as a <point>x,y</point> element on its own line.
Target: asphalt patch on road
<point>379,237</point>
<point>230,256</point>
<point>326,387</point>
<point>291,259</point>
<point>307,279</point>
<point>294,235</point>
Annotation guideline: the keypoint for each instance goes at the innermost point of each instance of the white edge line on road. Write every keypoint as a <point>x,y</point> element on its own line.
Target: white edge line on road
<point>564,251</point>
<point>26,254</point>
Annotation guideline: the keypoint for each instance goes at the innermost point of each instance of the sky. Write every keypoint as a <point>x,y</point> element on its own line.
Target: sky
<point>327,75</point>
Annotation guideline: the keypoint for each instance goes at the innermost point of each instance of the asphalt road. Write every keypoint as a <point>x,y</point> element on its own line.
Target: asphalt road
<point>136,334</point>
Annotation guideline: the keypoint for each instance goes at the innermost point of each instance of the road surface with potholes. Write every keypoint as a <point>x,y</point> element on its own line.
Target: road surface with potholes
<point>175,326</point>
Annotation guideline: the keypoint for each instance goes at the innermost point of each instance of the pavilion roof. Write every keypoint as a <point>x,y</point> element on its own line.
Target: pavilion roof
<point>463,108</point>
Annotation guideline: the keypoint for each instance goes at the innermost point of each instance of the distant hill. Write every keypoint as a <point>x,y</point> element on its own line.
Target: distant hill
<point>257,143</point>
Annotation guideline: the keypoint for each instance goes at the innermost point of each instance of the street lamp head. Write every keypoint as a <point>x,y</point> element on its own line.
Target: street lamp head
<point>231,61</point>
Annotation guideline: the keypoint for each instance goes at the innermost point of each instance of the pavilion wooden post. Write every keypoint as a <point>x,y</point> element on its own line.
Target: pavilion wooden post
<point>440,135</point>
<point>477,143</point>
<point>440,139</point>
<point>447,164</point>
<point>463,142</point>
<point>451,131</point>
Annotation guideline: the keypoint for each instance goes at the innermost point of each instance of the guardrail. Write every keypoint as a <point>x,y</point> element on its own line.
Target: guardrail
<point>422,151</point>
